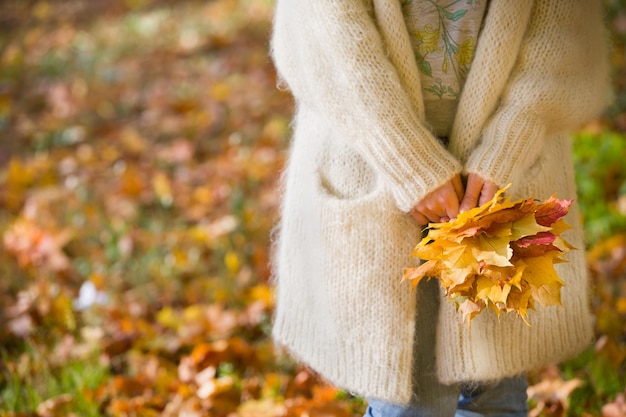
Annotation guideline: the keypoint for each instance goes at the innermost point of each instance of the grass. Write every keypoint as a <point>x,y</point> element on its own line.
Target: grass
<point>156,136</point>
<point>34,378</point>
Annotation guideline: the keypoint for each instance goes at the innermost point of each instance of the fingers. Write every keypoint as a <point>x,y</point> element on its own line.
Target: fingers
<point>487,193</point>
<point>472,192</point>
<point>451,203</point>
<point>443,204</point>
<point>429,210</point>
<point>454,207</point>
<point>440,205</point>
<point>419,217</point>
<point>477,192</point>
<point>457,183</point>
<point>423,216</point>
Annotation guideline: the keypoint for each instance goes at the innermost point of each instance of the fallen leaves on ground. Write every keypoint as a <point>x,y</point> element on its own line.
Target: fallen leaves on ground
<point>140,148</point>
<point>141,144</point>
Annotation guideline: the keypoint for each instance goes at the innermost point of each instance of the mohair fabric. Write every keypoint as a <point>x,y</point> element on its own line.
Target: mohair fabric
<point>362,156</point>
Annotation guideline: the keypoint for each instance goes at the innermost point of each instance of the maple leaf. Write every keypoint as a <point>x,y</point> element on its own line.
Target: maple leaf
<point>488,290</point>
<point>500,255</point>
<point>32,245</point>
<point>493,251</point>
<point>543,279</point>
<point>552,210</point>
<point>470,309</point>
<point>527,226</point>
<point>541,238</point>
<point>531,251</point>
<point>416,274</point>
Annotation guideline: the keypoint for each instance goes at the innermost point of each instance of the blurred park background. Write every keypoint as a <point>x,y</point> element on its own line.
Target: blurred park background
<point>140,146</point>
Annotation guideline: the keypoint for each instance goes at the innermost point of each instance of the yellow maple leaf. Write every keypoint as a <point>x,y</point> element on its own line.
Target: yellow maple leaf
<point>492,250</point>
<point>489,290</point>
<point>543,279</point>
<point>527,226</point>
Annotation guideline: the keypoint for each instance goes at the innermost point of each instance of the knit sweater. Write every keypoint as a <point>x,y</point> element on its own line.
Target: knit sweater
<point>363,155</point>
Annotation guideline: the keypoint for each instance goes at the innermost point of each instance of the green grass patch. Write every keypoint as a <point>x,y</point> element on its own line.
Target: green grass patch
<point>601,178</point>
<point>33,378</point>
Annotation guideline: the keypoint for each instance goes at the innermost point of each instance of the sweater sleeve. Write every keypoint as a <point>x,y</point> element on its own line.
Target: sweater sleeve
<point>559,82</point>
<point>333,59</point>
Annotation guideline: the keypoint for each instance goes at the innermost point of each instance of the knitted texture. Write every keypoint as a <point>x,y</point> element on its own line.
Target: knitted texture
<point>363,155</point>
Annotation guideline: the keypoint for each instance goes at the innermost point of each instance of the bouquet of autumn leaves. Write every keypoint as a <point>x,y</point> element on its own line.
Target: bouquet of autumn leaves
<point>500,255</point>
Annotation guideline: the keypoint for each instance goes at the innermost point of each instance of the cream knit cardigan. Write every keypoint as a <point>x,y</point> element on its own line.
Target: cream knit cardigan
<point>362,156</point>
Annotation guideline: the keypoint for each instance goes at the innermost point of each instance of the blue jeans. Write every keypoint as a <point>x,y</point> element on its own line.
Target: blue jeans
<point>506,398</point>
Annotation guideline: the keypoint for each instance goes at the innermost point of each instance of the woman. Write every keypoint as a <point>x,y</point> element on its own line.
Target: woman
<point>398,105</point>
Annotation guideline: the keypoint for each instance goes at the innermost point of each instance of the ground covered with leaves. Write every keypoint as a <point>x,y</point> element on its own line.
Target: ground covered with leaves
<point>140,148</point>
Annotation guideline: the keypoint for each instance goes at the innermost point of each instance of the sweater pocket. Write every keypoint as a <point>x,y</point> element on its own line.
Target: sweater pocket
<point>343,174</point>
<point>365,242</point>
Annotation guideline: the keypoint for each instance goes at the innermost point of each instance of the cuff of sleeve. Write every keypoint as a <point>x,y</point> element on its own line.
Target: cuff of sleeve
<point>511,143</point>
<point>412,185</point>
<point>410,158</point>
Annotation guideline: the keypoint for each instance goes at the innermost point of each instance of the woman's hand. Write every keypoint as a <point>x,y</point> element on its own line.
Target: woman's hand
<point>440,205</point>
<point>477,192</point>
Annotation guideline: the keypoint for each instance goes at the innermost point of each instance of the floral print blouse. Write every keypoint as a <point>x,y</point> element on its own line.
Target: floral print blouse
<point>444,34</point>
